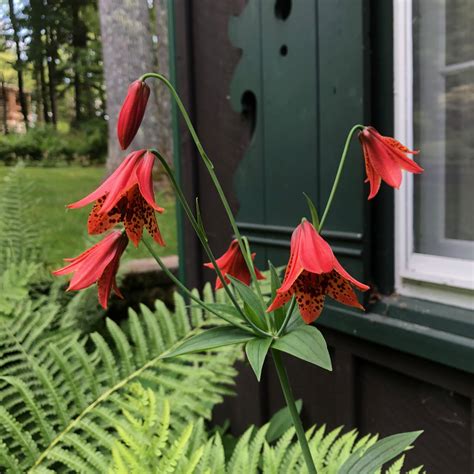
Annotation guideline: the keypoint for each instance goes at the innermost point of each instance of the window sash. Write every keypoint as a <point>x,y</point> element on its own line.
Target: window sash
<point>449,280</point>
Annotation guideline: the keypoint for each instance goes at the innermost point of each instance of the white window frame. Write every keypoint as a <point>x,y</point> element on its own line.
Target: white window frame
<point>431,277</point>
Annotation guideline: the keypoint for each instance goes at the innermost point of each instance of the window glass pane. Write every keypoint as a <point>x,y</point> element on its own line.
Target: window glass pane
<point>443,119</point>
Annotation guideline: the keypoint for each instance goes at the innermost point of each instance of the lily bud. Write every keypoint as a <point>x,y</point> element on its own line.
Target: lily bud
<point>131,113</point>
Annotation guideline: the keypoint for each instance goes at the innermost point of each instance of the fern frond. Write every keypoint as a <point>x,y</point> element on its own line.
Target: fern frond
<point>64,393</point>
<point>148,444</point>
<point>19,240</point>
<point>240,457</point>
<point>416,470</point>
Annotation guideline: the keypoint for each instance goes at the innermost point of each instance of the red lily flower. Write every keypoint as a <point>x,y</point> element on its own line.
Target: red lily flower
<point>385,157</point>
<point>126,196</point>
<point>131,113</point>
<point>313,272</point>
<point>232,263</point>
<point>99,264</point>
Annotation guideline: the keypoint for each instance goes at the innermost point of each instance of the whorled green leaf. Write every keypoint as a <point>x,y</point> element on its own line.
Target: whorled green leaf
<point>256,351</point>
<point>306,343</point>
<point>252,305</point>
<point>227,309</point>
<point>295,320</point>
<point>281,422</point>
<point>211,339</point>
<point>314,212</point>
<point>379,453</point>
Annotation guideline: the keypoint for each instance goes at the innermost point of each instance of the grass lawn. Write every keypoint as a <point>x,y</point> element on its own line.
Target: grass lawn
<point>63,231</point>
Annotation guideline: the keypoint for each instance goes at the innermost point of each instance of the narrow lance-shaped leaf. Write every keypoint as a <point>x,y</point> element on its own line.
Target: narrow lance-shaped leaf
<point>295,320</point>
<point>379,453</point>
<point>252,304</point>
<point>306,343</point>
<point>256,351</point>
<point>281,422</point>
<point>314,212</point>
<point>211,339</point>
<point>222,308</point>
<point>199,221</point>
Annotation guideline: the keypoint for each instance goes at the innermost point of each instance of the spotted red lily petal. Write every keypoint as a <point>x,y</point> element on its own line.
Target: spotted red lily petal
<point>131,113</point>
<point>98,264</point>
<point>385,158</point>
<point>127,196</point>
<point>232,263</point>
<point>312,273</point>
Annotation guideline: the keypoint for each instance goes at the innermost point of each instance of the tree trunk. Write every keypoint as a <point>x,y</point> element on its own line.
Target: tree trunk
<point>19,63</point>
<point>78,41</point>
<point>44,91</point>
<point>52,55</point>
<point>36,52</point>
<point>128,53</point>
<point>4,105</point>
<point>165,137</point>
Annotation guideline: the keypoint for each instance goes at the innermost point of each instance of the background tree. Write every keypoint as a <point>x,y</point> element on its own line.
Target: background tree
<point>128,52</point>
<point>19,61</point>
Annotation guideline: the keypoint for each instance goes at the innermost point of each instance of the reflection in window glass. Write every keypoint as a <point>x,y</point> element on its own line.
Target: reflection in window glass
<point>443,120</point>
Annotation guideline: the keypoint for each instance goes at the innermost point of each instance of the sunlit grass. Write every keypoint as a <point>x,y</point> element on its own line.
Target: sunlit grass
<point>63,231</point>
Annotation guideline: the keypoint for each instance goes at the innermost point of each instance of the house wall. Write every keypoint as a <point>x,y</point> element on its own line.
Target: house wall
<point>9,100</point>
<point>401,366</point>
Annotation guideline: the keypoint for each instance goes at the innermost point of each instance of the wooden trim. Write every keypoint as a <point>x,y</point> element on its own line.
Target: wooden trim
<point>399,331</point>
<point>190,250</point>
<point>329,234</point>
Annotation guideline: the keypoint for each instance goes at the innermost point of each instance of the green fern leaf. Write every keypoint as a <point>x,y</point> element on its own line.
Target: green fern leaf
<point>140,342</point>
<point>396,467</point>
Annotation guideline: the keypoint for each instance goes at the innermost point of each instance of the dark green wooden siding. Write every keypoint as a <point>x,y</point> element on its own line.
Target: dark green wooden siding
<point>308,74</point>
<point>403,365</point>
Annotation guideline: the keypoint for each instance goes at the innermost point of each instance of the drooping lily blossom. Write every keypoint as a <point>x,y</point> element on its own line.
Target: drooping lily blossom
<point>131,113</point>
<point>312,273</point>
<point>98,264</point>
<point>126,196</point>
<point>232,263</point>
<point>385,158</point>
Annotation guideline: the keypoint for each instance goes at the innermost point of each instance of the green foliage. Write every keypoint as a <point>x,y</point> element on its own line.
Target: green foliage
<point>378,454</point>
<point>216,337</point>
<point>61,392</point>
<point>150,444</point>
<point>19,236</point>
<point>15,284</point>
<point>256,351</point>
<point>48,147</point>
<point>61,57</point>
<point>307,343</point>
<point>20,249</point>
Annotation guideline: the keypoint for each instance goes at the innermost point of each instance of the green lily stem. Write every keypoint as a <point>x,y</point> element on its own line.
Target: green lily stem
<point>338,174</point>
<point>182,287</point>
<point>287,317</point>
<point>196,226</point>
<point>256,284</point>
<point>212,174</point>
<point>203,239</point>
<point>290,402</point>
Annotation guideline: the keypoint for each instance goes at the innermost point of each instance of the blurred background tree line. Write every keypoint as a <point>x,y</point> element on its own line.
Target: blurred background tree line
<point>65,66</point>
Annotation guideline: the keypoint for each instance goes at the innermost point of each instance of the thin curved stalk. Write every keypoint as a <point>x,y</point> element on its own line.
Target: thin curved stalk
<point>210,169</point>
<point>287,317</point>
<point>203,239</point>
<point>182,287</point>
<point>338,173</point>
